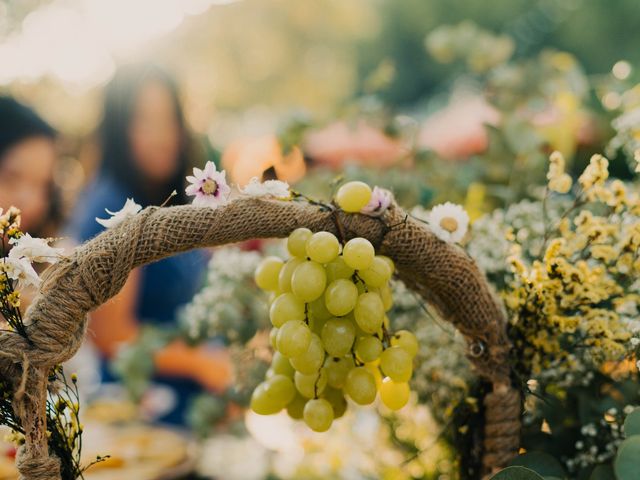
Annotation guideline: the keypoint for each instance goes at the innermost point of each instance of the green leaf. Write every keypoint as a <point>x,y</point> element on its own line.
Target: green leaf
<point>627,463</point>
<point>602,472</point>
<point>632,423</point>
<point>516,473</point>
<point>541,463</point>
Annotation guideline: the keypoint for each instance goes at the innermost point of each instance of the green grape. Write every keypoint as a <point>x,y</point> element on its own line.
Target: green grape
<point>262,403</point>
<point>394,395</point>
<point>389,262</point>
<point>336,398</point>
<point>395,363</point>
<point>338,335</point>
<point>337,370</point>
<point>386,296</point>
<point>293,338</point>
<point>358,253</point>
<point>273,334</point>
<point>369,312</point>
<point>281,388</point>
<point>323,247</point>
<point>269,373</point>
<point>318,324</point>
<point>297,242</point>
<point>360,385</point>
<point>378,273</point>
<point>284,279</point>
<point>308,281</point>
<point>318,309</point>
<point>318,415</point>
<point>312,359</point>
<point>340,297</point>
<point>272,395</point>
<point>375,371</point>
<point>284,308</point>
<point>310,386</point>
<point>281,365</point>
<point>406,340</point>
<point>296,407</point>
<point>266,275</point>
<point>353,196</point>
<point>338,269</point>
<point>368,348</point>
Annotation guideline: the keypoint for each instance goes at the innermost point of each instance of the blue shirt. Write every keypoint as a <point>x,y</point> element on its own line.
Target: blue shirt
<point>165,285</point>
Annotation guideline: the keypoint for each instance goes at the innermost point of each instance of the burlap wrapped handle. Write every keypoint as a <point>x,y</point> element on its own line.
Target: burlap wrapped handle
<point>443,274</point>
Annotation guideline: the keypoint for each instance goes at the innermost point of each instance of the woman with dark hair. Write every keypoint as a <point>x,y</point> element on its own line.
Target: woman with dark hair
<point>27,159</point>
<point>145,155</point>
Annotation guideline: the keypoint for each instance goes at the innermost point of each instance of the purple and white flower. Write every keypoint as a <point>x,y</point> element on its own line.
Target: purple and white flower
<point>208,186</point>
<point>379,203</point>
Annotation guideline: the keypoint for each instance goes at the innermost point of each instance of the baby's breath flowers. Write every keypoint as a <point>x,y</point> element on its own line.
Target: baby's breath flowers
<point>208,186</point>
<point>129,209</point>
<point>449,222</point>
<point>269,188</point>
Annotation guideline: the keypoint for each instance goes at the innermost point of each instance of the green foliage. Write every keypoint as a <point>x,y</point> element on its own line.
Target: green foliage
<point>632,423</point>
<point>541,463</point>
<point>134,363</point>
<point>204,413</point>
<point>602,472</point>
<point>627,462</point>
<point>516,473</point>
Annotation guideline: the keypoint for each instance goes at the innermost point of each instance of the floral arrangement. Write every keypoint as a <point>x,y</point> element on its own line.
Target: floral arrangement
<point>567,267</point>
<point>18,252</point>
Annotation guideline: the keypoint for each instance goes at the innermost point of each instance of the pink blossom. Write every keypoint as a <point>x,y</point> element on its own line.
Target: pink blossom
<point>208,186</point>
<point>380,201</point>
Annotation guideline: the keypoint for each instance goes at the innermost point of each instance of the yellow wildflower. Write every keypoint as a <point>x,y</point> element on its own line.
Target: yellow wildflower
<point>559,181</point>
<point>596,172</point>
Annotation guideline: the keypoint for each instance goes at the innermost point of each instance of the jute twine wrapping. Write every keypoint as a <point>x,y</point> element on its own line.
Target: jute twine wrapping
<point>442,273</point>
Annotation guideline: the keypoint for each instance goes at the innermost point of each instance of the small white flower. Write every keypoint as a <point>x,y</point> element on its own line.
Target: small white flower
<point>449,222</point>
<point>380,201</point>
<point>34,249</point>
<point>129,209</point>
<point>270,188</point>
<point>20,270</point>
<point>208,186</point>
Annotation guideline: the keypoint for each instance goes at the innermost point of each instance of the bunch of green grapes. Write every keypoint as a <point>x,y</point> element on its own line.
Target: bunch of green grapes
<point>330,332</point>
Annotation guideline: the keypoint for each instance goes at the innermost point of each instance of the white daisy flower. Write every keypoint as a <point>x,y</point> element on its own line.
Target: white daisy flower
<point>270,188</point>
<point>449,222</point>
<point>129,209</point>
<point>34,249</point>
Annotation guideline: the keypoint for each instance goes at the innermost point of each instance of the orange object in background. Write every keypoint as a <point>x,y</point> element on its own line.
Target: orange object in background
<point>458,131</point>
<point>246,158</point>
<point>361,143</point>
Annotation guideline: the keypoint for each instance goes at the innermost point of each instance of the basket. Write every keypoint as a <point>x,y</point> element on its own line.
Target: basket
<point>443,274</point>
